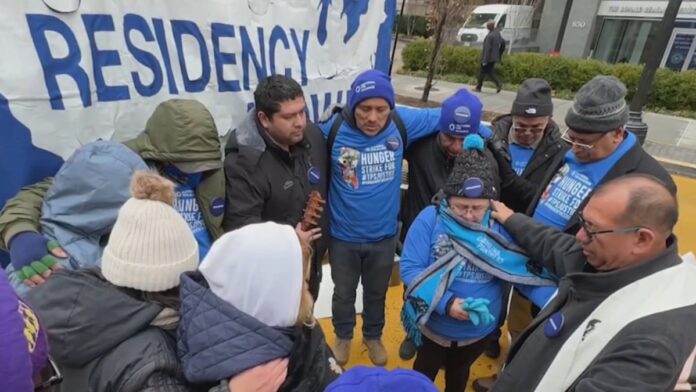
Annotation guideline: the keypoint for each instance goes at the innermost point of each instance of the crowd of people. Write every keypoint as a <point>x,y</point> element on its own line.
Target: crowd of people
<point>173,263</point>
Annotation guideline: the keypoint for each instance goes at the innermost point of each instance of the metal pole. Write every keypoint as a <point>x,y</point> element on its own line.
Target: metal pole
<point>396,36</point>
<point>656,50</point>
<point>564,24</point>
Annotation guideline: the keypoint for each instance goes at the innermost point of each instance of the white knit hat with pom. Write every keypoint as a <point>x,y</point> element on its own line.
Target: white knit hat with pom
<point>150,244</point>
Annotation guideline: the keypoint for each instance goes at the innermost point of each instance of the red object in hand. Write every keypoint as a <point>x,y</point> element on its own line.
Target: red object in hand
<point>313,211</point>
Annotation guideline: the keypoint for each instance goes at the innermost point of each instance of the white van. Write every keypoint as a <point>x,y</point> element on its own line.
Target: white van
<point>513,21</point>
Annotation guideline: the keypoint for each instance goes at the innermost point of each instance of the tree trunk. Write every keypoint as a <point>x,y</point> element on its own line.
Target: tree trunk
<point>441,19</point>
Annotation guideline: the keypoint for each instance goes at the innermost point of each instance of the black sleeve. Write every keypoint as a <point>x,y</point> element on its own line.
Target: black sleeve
<point>245,195</point>
<point>544,244</point>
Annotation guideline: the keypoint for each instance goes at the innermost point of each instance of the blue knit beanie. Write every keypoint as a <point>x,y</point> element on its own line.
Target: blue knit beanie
<point>461,114</point>
<point>377,379</point>
<point>370,84</point>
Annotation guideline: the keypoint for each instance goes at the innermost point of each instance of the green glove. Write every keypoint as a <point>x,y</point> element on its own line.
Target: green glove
<point>478,311</point>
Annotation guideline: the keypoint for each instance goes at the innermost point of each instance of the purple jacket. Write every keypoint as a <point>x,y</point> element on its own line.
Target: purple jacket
<point>21,358</point>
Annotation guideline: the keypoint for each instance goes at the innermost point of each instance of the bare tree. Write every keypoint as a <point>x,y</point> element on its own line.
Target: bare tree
<point>440,12</point>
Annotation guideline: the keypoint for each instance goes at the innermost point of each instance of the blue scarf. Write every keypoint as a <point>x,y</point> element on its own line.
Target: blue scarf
<point>475,243</point>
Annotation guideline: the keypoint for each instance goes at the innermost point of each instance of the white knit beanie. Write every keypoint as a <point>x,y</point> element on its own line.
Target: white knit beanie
<point>150,244</point>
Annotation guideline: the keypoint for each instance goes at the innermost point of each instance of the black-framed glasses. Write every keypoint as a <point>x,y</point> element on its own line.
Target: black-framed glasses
<point>54,377</point>
<point>621,230</point>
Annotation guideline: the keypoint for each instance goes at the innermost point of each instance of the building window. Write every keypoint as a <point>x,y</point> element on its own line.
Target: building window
<point>623,40</point>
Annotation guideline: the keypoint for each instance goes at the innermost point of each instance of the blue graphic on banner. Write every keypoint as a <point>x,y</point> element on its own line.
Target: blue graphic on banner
<point>22,163</point>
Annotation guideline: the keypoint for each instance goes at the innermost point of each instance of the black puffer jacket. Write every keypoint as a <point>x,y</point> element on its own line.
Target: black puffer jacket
<point>102,338</point>
<point>519,191</point>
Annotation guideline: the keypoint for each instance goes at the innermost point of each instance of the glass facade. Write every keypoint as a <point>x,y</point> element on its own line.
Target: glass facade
<point>624,40</point>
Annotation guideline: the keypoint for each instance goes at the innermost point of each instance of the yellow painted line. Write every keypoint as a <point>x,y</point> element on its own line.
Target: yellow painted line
<point>676,162</point>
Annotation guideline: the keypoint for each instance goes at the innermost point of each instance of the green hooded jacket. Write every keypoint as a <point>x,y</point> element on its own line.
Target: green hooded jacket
<point>179,131</point>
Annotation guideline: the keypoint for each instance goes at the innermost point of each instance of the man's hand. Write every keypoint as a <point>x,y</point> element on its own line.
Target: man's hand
<point>307,237</point>
<point>456,311</point>
<point>34,257</point>
<point>263,378</point>
<point>501,212</point>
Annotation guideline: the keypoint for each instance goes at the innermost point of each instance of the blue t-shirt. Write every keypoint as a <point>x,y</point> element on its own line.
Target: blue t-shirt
<point>187,205</point>
<point>425,242</point>
<point>366,175</point>
<point>520,157</point>
<point>573,183</point>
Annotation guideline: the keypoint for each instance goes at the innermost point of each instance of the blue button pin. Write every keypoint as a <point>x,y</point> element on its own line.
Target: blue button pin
<point>313,175</point>
<point>472,188</point>
<point>217,207</point>
<point>393,143</point>
<point>554,325</point>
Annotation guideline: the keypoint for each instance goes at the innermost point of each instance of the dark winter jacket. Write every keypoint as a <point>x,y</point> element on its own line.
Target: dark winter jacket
<point>217,342</point>
<point>266,183</point>
<point>492,45</point>
<point>636,160</point>
<point>518,191</point>
<point>102,339</point>
<point>647,354</point>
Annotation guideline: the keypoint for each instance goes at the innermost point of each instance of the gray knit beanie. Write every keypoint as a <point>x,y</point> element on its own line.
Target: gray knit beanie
<point>599,106</point>
<point>533,99</point>
<point>472,175</point>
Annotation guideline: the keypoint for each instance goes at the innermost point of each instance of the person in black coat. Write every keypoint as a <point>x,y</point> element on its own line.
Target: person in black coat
<point>493,48</point>
<point>273,161</point>
<point>527,141</point>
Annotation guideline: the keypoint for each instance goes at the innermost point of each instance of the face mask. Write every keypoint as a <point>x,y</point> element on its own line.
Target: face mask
<point>191,180</point>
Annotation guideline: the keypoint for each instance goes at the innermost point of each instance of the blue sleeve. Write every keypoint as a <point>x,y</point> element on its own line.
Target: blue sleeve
<point>419,123</point>
<point>485,132</point>
<point>539,295</point>
<point>415,257</point>
<point>326,126</point>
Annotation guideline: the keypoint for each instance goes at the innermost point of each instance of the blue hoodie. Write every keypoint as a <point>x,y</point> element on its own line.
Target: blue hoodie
<point>425,242</point>
<point>366,174</point>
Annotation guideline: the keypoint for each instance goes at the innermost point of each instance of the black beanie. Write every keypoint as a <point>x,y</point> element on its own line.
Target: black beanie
<point>533,99</point>
<point>472,175</point>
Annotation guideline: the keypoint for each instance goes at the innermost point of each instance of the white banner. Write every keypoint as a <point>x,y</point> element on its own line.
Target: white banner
<point>99,71</point>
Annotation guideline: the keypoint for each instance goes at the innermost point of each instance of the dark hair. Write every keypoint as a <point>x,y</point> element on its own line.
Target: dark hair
<point>650,202</point>
<point>273,91</point>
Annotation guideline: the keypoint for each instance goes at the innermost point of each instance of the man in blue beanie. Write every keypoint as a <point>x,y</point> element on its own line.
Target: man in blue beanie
<point>431,159</point>
<point>366,141</point>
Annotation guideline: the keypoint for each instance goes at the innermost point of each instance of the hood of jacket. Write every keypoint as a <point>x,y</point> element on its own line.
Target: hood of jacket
<point>83,203</point>
<point>86,316</point>
<point>179,130</point>
<point>247,134</point>
<point>217,341</point>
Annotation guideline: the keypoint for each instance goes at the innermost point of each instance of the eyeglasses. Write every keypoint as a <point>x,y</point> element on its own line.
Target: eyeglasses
<point>591,234</point>
<point>582,146</point>
<point>474,210</point>
<point>533,131</point>
<point>54,379</point>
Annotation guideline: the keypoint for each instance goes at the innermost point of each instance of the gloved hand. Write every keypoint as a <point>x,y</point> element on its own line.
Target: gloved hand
<point>478,311</point>
<point>34,257</point>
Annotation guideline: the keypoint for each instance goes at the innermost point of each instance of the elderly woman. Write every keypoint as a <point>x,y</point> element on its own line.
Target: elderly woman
<point>455,263</point>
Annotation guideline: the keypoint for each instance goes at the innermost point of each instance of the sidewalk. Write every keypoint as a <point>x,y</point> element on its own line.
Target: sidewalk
<point>671,140</point>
